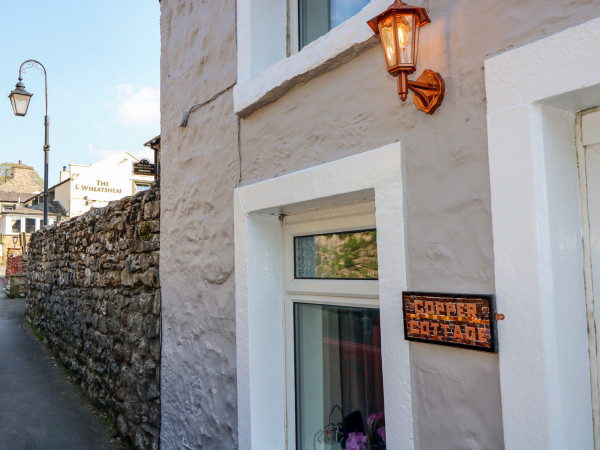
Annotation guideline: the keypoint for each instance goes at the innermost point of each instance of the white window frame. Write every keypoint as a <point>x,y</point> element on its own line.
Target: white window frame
<point>21,225</point>
<point>533,94</point>
<point>355,292</point>
<point>267,65</point>
<point>260,288</point>
<point>35,223</point>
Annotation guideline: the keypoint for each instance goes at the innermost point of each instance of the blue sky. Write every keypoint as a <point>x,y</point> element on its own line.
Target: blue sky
<point>103,69</point>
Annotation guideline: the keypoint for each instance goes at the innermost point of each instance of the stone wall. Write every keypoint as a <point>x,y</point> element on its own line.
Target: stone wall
<point>94,292</point>
<point>17,285</point>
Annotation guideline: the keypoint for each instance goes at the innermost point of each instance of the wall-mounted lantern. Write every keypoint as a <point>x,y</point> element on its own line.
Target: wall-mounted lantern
<point>399,27</point>
<point>15,239</point>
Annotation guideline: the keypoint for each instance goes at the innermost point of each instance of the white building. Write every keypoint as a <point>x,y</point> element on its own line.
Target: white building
<point>294,133</point>
<point>18,220</point>
<point>83,187</point>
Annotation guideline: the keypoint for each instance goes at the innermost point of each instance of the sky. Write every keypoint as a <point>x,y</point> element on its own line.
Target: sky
<point>102,61</point>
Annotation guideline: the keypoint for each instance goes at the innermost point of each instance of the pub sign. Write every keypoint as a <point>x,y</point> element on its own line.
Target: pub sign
<point>144,167</point>
<point>461,320</point>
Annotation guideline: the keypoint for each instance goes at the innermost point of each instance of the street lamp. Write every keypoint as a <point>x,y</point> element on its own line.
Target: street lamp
<point>15,239</point>
<point>19,99</point>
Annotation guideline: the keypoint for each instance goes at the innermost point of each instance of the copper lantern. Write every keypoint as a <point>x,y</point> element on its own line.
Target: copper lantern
<point>399,28</point>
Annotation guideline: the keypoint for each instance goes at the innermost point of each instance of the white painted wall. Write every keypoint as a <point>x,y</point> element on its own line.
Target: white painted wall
<point>533,93</point>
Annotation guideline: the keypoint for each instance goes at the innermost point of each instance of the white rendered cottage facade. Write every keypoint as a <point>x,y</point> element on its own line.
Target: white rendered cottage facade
<point>294,138</point>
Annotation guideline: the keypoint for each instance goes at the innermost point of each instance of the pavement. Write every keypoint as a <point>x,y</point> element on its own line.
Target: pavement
<point>39,409</point>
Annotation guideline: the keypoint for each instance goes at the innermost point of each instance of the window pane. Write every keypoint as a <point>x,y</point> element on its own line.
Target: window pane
<point>341,10</point>
<point>337,255</point>
<point>314,20</point>
<point>16,226</point>
<point>29,225</point>
<point>141,187</point>
<point>317,17</point>
<point>339,381</point>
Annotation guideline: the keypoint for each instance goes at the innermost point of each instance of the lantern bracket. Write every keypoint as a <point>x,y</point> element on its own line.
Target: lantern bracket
<point>32,63</point>
<point>428,90</point>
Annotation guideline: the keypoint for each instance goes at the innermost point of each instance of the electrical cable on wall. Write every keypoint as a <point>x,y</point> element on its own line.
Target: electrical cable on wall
<point>187,113</point>
<point>186,116</point>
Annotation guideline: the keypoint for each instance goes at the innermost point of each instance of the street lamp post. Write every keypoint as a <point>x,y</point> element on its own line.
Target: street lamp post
<point>19,99</point>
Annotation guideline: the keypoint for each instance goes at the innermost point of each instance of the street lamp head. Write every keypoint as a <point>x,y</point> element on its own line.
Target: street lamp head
<point>15,239</point>
<point>19,98</point>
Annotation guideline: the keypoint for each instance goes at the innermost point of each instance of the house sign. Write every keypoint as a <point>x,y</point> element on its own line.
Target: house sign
<point>144,167</point>
<point>461,320</point>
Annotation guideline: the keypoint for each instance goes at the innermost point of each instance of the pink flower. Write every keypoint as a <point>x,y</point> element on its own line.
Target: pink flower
<point>356,441</point>
<point>374,418</point>
<point>381,433</point>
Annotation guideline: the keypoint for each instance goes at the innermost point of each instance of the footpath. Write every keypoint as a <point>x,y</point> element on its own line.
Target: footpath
<point>39,409</point>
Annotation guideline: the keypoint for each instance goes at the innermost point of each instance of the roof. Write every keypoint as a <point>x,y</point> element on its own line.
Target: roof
<point>14,196</point>
<point>54,207</point>
<point>41,194</point>
<point>153,142</point>
<point>21,180</point>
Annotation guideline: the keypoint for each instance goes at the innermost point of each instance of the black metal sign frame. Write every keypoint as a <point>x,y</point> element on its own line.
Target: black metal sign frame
<point>144,167</point>
<point>434,318</point>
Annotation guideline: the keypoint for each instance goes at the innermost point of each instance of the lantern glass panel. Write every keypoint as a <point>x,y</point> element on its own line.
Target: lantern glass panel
<point>20,103</point>
<point>386,31</point>
<point>405,25</point>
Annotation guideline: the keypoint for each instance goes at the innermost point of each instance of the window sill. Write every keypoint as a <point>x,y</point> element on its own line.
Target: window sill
<point>328,52</point>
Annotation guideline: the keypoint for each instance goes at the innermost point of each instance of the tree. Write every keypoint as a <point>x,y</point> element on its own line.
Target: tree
<point>6,170</point>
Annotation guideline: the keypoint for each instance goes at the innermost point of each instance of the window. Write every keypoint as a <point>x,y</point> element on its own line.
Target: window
<point>141,187</point>
<point>333,327</point>
<point>29,225</point>
<point>317,17</point>
<point>8,208</point>
<point>338,377</point>
<point>16,226</point>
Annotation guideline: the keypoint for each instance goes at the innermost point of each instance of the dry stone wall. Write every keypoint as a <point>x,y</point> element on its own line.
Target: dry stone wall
<point>94,292</point>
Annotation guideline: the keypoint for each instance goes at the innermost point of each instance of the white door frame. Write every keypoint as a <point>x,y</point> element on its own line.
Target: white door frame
<point>260,288</point>
<point>533,93</point>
